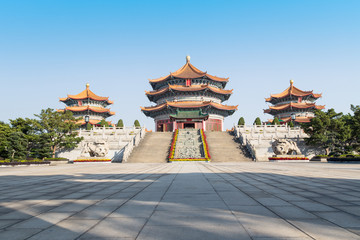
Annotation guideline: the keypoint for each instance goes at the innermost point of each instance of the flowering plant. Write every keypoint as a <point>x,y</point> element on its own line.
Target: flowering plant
<point>205,144</point>
<point>93,160</point>
<point>173,144</point>
<point>288,158</point>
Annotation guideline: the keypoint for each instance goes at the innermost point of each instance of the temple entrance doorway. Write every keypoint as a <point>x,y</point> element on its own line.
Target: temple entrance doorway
<point>189,125</point>
<point>160,128</point>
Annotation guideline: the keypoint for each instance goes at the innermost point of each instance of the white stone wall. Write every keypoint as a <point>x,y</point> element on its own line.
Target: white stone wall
<point>120,141</point>
<point>258,139</point>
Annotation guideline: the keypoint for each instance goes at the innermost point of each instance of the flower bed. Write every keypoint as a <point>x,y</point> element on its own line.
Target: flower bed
<point>206,146</point>
<point>92,160</point>
<point>24,163</point>
<point>173,144</point>
<point>288,158</point>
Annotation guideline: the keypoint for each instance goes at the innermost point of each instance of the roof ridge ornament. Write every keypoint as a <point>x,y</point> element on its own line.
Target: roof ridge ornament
<point>188,59</point>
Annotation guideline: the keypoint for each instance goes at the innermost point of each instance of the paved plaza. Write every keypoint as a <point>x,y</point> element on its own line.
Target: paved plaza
<point>181,201</point>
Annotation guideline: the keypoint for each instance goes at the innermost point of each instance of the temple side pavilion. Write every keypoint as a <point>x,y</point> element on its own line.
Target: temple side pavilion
<point>189,98</point>
<point>89,104</point>
<point>293,104</point>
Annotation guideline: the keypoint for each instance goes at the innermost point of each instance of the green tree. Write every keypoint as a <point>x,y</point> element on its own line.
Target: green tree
<point>257,121</point>
<point>120,123</point>
<point>88,126</point>
<point>329,130</point>
<point>353,121</point>
<point>291,124</point>
<point>241,121</point>
<point>17,148</point>
<point>104,123</point>
<point>59,128</point>
<point>30,131</point>
<point>5,131</point>
<point>276,121</point>
<point>136,124</point>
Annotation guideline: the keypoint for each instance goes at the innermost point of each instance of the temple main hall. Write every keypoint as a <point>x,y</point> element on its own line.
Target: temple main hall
<point>188,98</point>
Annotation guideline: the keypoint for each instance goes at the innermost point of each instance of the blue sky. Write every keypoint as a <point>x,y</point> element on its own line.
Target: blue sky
<point>49,49</point>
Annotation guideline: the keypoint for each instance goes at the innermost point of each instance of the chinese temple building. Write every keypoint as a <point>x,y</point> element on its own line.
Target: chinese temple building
<point>293,104</point>
<point>89,104</point>
<point>188,98</point>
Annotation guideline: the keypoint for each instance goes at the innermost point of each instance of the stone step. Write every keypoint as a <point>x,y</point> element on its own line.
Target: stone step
<point>223,148</point>
<point>154,148</point>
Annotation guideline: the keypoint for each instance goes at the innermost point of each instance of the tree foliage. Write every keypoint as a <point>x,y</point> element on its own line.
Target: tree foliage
<point>104,123</point>
<point>59,128</point>
<point>291,124</point>
<point>241,121</point>
<point>257,121</point>
<point>38,138</point>
<point>5,132</point>
<point>276,121</point>
<point>331,131</point>
<point>120,123</point>
<point>136,124</point>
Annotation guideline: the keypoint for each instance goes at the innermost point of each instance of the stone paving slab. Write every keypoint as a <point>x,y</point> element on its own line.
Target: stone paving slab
<point>181,201</point>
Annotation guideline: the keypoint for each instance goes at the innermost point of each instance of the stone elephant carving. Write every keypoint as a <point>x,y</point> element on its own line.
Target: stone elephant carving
<point>95,149</point>
<point>285,147</point>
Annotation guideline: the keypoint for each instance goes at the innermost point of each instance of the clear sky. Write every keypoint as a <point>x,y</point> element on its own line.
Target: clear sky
<point>49,49</point>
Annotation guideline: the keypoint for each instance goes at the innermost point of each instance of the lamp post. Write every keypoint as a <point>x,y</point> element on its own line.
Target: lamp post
<point>293,117</point>
<point>86,121</point>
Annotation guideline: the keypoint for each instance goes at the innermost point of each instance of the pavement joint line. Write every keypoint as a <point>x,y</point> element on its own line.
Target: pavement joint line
<point>310,199</point>
<point>314,212</point>
<point>237,220</point>
<point>161,169</point>
<point>260,202</point>
<point>162,197</point>
<point>156,167</point>
<point>57,197</point>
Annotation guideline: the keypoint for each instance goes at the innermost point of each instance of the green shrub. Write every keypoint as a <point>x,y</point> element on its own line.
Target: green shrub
<point>136,124</point>
<point>257,121</point>
<point>120,123</point>
<point>241,121</point>
<point>56,159</point>
<point>276,121</point>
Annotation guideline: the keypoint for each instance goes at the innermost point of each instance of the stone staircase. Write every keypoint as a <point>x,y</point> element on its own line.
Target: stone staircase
<point>154,148</point>
<point>224,148</point>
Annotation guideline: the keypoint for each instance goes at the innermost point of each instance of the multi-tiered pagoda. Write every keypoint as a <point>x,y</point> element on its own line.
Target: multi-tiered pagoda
<point>89,104</point>
<point>293,104</point>
<point>189,98</point>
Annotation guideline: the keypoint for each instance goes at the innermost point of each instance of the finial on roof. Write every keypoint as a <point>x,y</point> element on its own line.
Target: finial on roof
<point>291,82</point>
<point>87,85</point>
<point>187,58</point>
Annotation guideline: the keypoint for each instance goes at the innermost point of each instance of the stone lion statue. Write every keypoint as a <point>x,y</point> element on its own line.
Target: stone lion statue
<point>285,147</point>
<point>95,149</point>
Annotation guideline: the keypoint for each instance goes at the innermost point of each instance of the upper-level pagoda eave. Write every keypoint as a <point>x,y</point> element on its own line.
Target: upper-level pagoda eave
<point>275,109</point>
<point>292,91</point>
<point>90,109</point>
<point>188,71</point>
<point>84,95</point>
<point>173,90</point>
